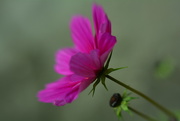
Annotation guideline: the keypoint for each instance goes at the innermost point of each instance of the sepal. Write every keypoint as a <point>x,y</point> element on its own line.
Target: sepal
<point>94,86</point>
<point>103,79</point>
<point>110,70</point>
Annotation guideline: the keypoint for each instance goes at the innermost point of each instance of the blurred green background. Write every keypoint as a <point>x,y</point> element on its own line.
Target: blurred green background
<point>31,31</point>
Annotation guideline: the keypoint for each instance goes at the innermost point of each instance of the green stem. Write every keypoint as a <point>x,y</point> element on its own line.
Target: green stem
<point>163,109</point>
<point>141,114</point>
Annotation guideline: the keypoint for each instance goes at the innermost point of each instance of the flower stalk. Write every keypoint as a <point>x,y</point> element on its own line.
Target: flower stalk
<point>148,118</point>
<point>163,109</point>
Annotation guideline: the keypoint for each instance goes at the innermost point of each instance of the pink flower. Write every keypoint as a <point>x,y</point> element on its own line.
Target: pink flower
<point>82,63</point>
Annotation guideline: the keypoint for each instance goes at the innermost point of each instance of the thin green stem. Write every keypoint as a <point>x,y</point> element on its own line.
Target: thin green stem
<point>163,109</point>
<point>141,114</point>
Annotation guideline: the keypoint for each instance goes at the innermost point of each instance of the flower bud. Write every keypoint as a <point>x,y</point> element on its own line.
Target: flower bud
<point>115,100</point>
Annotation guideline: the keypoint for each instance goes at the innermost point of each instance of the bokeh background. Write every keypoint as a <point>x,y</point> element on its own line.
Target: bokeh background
<point>31,31</point>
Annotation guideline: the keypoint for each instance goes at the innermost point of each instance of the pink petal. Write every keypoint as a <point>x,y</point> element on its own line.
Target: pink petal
<point>86,82</point>
<point>86,65</point>
<point>82,34</point>
<point>61,92</point>
<point>63,57</point>
<point>105,44</point>
<point>101,21</point>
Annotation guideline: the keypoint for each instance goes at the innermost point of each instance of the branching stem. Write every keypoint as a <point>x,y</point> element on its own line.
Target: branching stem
<point>163,109</point>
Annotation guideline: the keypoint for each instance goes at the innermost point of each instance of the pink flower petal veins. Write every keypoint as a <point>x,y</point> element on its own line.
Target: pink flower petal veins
<point>63,57</point>
<point>82,34</point>
<point>105,44</point>
<point>60,92</point>
<point>70,96</point>
<point>86,82</point>
<point>86,65</point>
<point>103,39</point>
<point>101,21</point>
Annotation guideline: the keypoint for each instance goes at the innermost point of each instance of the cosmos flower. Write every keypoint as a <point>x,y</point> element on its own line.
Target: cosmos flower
<point>82,63</point>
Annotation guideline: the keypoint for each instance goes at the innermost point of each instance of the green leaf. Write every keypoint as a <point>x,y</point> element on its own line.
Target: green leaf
<point>164,68</point>
<point>178,114</point>
<point>162,117</point>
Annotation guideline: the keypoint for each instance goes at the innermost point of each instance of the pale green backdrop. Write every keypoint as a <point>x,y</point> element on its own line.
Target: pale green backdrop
<point>31,31</point>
